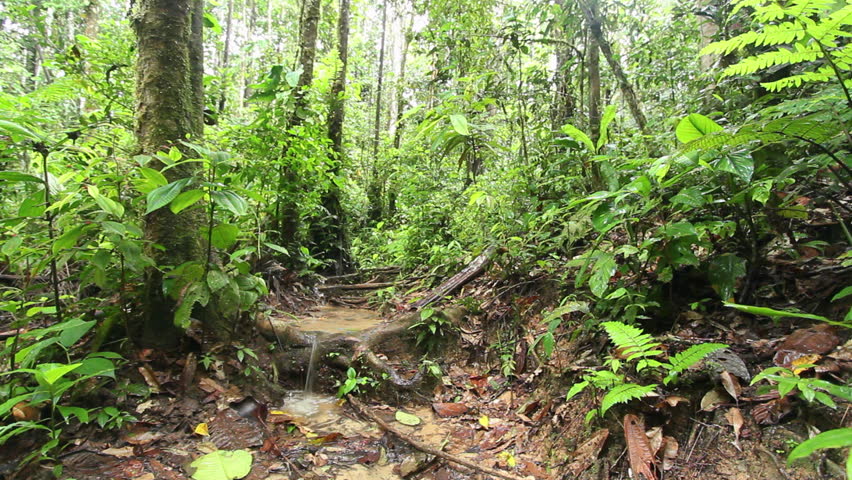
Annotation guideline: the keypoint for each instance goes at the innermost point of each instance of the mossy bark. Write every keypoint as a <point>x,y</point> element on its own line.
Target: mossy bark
<point>168,110</point>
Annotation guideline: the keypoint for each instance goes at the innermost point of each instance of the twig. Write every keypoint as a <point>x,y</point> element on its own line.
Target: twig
<point>426,448</point>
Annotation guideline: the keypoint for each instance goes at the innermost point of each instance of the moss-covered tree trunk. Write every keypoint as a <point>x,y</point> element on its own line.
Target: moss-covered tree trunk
<point>169,108</point>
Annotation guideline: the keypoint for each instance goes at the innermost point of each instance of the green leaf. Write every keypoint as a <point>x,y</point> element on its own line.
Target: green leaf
<point>690,196</point>
<point>230,201</point>
<point>68,239</point>
<point>772,313</point>
<point>216,279</point>
<point>837,438</point>
<point>185,200</point>
<point>74,330</point>
<point>723,273</point>
<point>97,367</point>
<point>578,135</point>
<point>277,248</point>
<point>576,388</point>
<point>18,131</point>
<point>843,294</point>
<point>52,372</point>
<point>695,126</point>
<point>107,204</point>
<point>739,165</point>
<point>81,413</point>
<point>19,177</point>
<point>11,246</point>
<point>151,179</point>
<point>459,123</point>
<point>607,118</point>
<point>407,418</point>
<point>623,394</point>
<point>603,270</point>
<point>224,235</point>
<point>689,357</point>
<point>162,196</point>
<point>222,465</point>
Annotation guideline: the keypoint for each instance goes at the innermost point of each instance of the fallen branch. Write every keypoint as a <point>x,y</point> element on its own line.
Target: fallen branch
<point>471,271</point>
<point>362,409</point>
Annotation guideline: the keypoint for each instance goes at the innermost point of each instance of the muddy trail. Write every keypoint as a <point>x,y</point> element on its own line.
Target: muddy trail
<point>458,387</point>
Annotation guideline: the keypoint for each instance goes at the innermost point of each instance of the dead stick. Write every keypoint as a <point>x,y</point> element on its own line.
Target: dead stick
<point>426,448</point>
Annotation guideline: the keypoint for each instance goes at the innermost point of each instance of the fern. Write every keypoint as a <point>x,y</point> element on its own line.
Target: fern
<point>624,393</point>
<point>689,357</point>
<point>632,341</point>
<point>803,31</point>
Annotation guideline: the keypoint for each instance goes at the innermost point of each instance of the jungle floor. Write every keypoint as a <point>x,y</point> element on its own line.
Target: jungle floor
<point>496,408</point>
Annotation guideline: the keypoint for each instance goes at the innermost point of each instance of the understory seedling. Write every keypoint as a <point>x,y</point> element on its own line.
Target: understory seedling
<point>637,354</point>
<point>431,327</point>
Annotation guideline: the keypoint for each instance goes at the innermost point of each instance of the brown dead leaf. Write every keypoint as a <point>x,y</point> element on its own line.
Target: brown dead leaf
<point>735,418</point>
<point>771,412</point>
<point>209,385</point>
<point>586,454</point>
<point>446,410</point>
<point>819,339</point>
<point>23,411</point>
<point>713,399</point>
<point>670,449</point>
<point>123,452</point>
<point>150,379</point>
<point>655,438</point>
<point>671,401</point>
<point>141,435</point>
<point>638,448</point>
<point>731,384</point>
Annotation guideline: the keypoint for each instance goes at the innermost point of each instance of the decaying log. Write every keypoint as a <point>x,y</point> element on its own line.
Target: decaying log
<point>363,410</point>
<point>471,271</point>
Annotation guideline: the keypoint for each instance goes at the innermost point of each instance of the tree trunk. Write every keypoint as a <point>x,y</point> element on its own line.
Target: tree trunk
<point>92,15</point>
<point>330,234</point>
<point>223,65</point>
<point>594,69</point>
<point>287,209</point>
<point>168,110</point>
<point>376,181</point>
<point>594,19</point>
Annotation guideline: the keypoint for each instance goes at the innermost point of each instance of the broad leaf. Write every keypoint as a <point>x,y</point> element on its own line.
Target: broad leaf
<point>739,165</point>
<point>603,270</point>
<point>578,135</point>
<point>772,313</point>
<point>460,124</point>
<point>222,465</point>
<point>723,273</point>
<point>230,201</point>
<point>695,126</point>
<point>407,418</point>
<point>162,196</point>
<point>19,177</point>
<point>225,235</point>
<point>837,438</point>
<point>185,200</point>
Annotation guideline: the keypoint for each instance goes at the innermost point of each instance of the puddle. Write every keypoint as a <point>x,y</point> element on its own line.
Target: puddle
<point>330,319</point>
<point>324,414</point>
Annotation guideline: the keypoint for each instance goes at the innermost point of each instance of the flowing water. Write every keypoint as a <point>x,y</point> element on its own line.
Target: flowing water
<point>329,319</point>
<point>310,378</point>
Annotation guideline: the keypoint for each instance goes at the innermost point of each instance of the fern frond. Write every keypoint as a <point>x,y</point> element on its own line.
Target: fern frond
<point>824,74</point>
<point>782,56</point>
<point>628,337</point>
<point>689,357</point>
<point>623,394</point>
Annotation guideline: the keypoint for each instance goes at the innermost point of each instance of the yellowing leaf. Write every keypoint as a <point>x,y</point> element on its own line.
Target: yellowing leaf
<point>484,421</point>
<point>509,458</point>
<point>803,363</point>
<point>277,412</point>
<point>407,418</point>
<point>201,429</point>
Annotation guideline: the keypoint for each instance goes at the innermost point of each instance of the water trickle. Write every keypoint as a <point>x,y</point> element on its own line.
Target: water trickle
<point>312,365</point>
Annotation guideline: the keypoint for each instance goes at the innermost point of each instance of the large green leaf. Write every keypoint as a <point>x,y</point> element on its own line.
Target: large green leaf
<point>578,135</point>
<point>837,438</point>
<point>695,126</point>
<point>739,165</point>
<point>51,372</point>
<point>18,131</point>
<point>19,177</point>
<point>460,124</point>
<point>603,270</point>
<point>230,201</point>
<point>222,465</point>
<point>772,313</point>
<point>225,235</point>
<point>723,273</point>
<point>607,118</point>
<point>185,200</point>
<point>162,196</point>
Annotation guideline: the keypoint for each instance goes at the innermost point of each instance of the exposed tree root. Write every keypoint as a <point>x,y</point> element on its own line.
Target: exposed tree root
<point>363,410</point>
<point>341,351</point>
